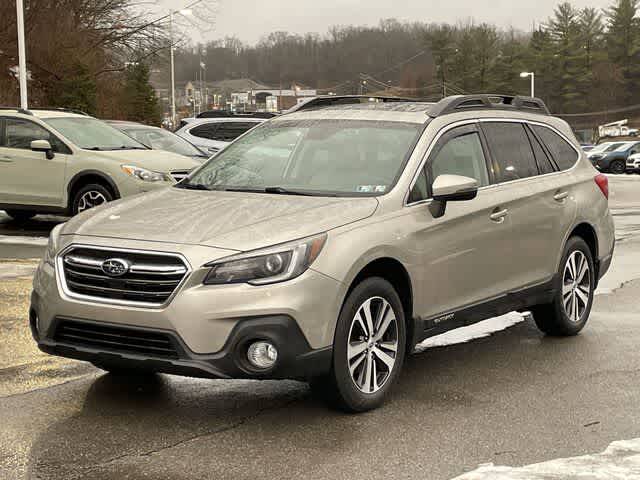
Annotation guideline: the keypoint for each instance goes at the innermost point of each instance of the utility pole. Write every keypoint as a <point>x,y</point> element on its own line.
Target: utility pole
<point>22,56</point>
<point>173,73</point>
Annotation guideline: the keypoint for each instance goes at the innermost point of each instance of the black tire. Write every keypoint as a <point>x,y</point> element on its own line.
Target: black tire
<point>339,388</point>
<point>553,318</point>
<point>99,192</point>
<point>618,167</point>
<point>20,215</point>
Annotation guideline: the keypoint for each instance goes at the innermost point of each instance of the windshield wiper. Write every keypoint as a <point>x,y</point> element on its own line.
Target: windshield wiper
<point>285,191</point>
<point>192,186</point>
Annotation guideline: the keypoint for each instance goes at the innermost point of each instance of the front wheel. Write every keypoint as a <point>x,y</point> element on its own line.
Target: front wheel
<point>369,347</point>
<point>90,196</point>
<point>568,312</point>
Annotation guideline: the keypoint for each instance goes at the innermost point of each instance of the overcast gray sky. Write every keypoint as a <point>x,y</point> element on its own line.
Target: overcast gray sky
<point>251,19</point>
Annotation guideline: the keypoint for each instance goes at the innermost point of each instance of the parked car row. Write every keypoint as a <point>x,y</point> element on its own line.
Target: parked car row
<point>63,161</point>
<point>616,157</point>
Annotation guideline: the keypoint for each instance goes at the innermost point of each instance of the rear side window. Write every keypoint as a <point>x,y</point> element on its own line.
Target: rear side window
<point>563,153</point>
<point>228,132</point>
<point>512,153</point>
<point>205,131</point>
<point>544,163</point>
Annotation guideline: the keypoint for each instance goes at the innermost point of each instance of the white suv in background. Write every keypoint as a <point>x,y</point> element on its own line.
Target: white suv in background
<point>213,134</point>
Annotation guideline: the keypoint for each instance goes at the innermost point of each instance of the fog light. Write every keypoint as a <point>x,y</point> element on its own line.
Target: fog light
<point>262,354</point>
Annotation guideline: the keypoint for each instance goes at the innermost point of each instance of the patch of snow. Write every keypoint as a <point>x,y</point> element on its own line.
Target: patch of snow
<point>19,240</point>
<point>472,332</point>
<point>621,460</point>
<point>10,270</point>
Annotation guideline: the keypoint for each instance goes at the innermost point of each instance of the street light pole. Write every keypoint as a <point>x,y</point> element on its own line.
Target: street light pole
<point>173,73</point>
<point>533,81</point>
<point>22,56</point>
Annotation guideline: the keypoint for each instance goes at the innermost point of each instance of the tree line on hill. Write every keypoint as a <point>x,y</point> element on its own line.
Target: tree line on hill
<point>584,59</point>
<point>96,55</point>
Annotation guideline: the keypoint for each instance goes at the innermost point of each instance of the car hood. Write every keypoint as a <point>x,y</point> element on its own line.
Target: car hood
<point>230,220</point>
<point>156,160</point>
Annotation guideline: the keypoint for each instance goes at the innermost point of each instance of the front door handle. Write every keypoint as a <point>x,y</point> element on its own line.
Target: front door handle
<point>560,196</point>
<point>498,216</point>
<point>6,160</point>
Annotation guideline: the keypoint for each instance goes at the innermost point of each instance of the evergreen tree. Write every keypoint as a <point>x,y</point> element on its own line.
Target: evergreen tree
<point>76,90</point>
<point>623,45</point>
<point>140,103</point>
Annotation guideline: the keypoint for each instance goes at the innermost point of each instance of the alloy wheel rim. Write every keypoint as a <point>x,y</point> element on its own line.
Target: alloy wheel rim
<point>372,345</point>
<point>618,167</point>
<point>91,199</point>
<point>576,286</point>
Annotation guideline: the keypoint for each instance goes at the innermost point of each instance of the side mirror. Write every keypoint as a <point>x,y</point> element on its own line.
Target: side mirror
<point>43,146</point>
<point>451,188</point>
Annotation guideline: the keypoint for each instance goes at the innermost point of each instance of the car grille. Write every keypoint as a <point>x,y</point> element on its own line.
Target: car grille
<point>116,339</point>
<point>179,175</point>
<point>150,279</point>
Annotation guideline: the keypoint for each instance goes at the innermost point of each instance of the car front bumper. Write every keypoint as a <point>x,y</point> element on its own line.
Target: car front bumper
<point>210,326</point>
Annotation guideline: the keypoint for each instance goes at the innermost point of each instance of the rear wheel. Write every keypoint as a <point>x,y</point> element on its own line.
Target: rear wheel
<point>20,215</point>
<point>569,311</point>
<point>368,350</point>
<point>90,196</point>
<point>617,167</point>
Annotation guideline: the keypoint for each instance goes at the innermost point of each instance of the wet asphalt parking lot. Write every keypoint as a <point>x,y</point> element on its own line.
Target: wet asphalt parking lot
<point>513,397</point>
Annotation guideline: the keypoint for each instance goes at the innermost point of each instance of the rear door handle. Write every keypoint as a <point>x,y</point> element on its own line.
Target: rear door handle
<point>4,159</point>
<point>498,216</point>
<point>560,196</point>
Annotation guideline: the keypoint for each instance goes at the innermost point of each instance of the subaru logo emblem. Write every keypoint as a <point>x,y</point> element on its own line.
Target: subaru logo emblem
<point>115,267</point>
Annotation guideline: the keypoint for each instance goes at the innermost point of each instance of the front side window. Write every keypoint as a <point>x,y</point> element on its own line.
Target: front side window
<point>20,133</point>
<point>563,153</point>
<point>92,134</point>
<point>511,150</point>
<point>462,155</point>
<point>348,157</point>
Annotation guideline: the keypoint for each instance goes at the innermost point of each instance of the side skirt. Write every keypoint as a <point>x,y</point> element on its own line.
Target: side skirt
<point>518,300</point>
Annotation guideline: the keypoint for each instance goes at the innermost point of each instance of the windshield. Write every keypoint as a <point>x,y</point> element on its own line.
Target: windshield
<point>623,147</point>
<point>345,157</point>
<point>159,139</point>
<point>92,134</point>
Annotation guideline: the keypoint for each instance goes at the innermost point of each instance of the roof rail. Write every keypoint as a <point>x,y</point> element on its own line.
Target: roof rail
<point>60,109</point>
<point>332,100</point>
<point>459,103</point>
<point>17,109</point>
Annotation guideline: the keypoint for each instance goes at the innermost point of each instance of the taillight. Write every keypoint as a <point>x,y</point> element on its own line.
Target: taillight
<point>603,183</point>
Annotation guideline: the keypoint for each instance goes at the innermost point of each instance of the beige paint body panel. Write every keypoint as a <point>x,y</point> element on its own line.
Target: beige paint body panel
<point>460,259</point>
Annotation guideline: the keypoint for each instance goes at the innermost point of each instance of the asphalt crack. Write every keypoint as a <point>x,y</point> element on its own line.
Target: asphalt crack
<point>85,472</point>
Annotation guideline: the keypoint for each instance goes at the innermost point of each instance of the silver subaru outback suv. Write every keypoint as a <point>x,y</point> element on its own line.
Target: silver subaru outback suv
<point>327,243</point>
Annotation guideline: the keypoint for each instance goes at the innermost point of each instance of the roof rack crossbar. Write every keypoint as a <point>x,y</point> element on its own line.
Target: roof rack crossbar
<point>331,100</point>
<point>460,103</point>
<point>17,109</point>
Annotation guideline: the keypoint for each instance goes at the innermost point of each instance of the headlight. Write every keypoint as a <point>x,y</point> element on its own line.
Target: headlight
<point>144,174</point>
<point>596,157</point>
<point>52,246</point>
<point>270,265</point>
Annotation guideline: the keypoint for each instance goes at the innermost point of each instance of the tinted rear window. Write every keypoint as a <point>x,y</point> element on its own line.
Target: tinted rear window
<point>511,151</point>
<point>544,163</point>
<point>563,153</point>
